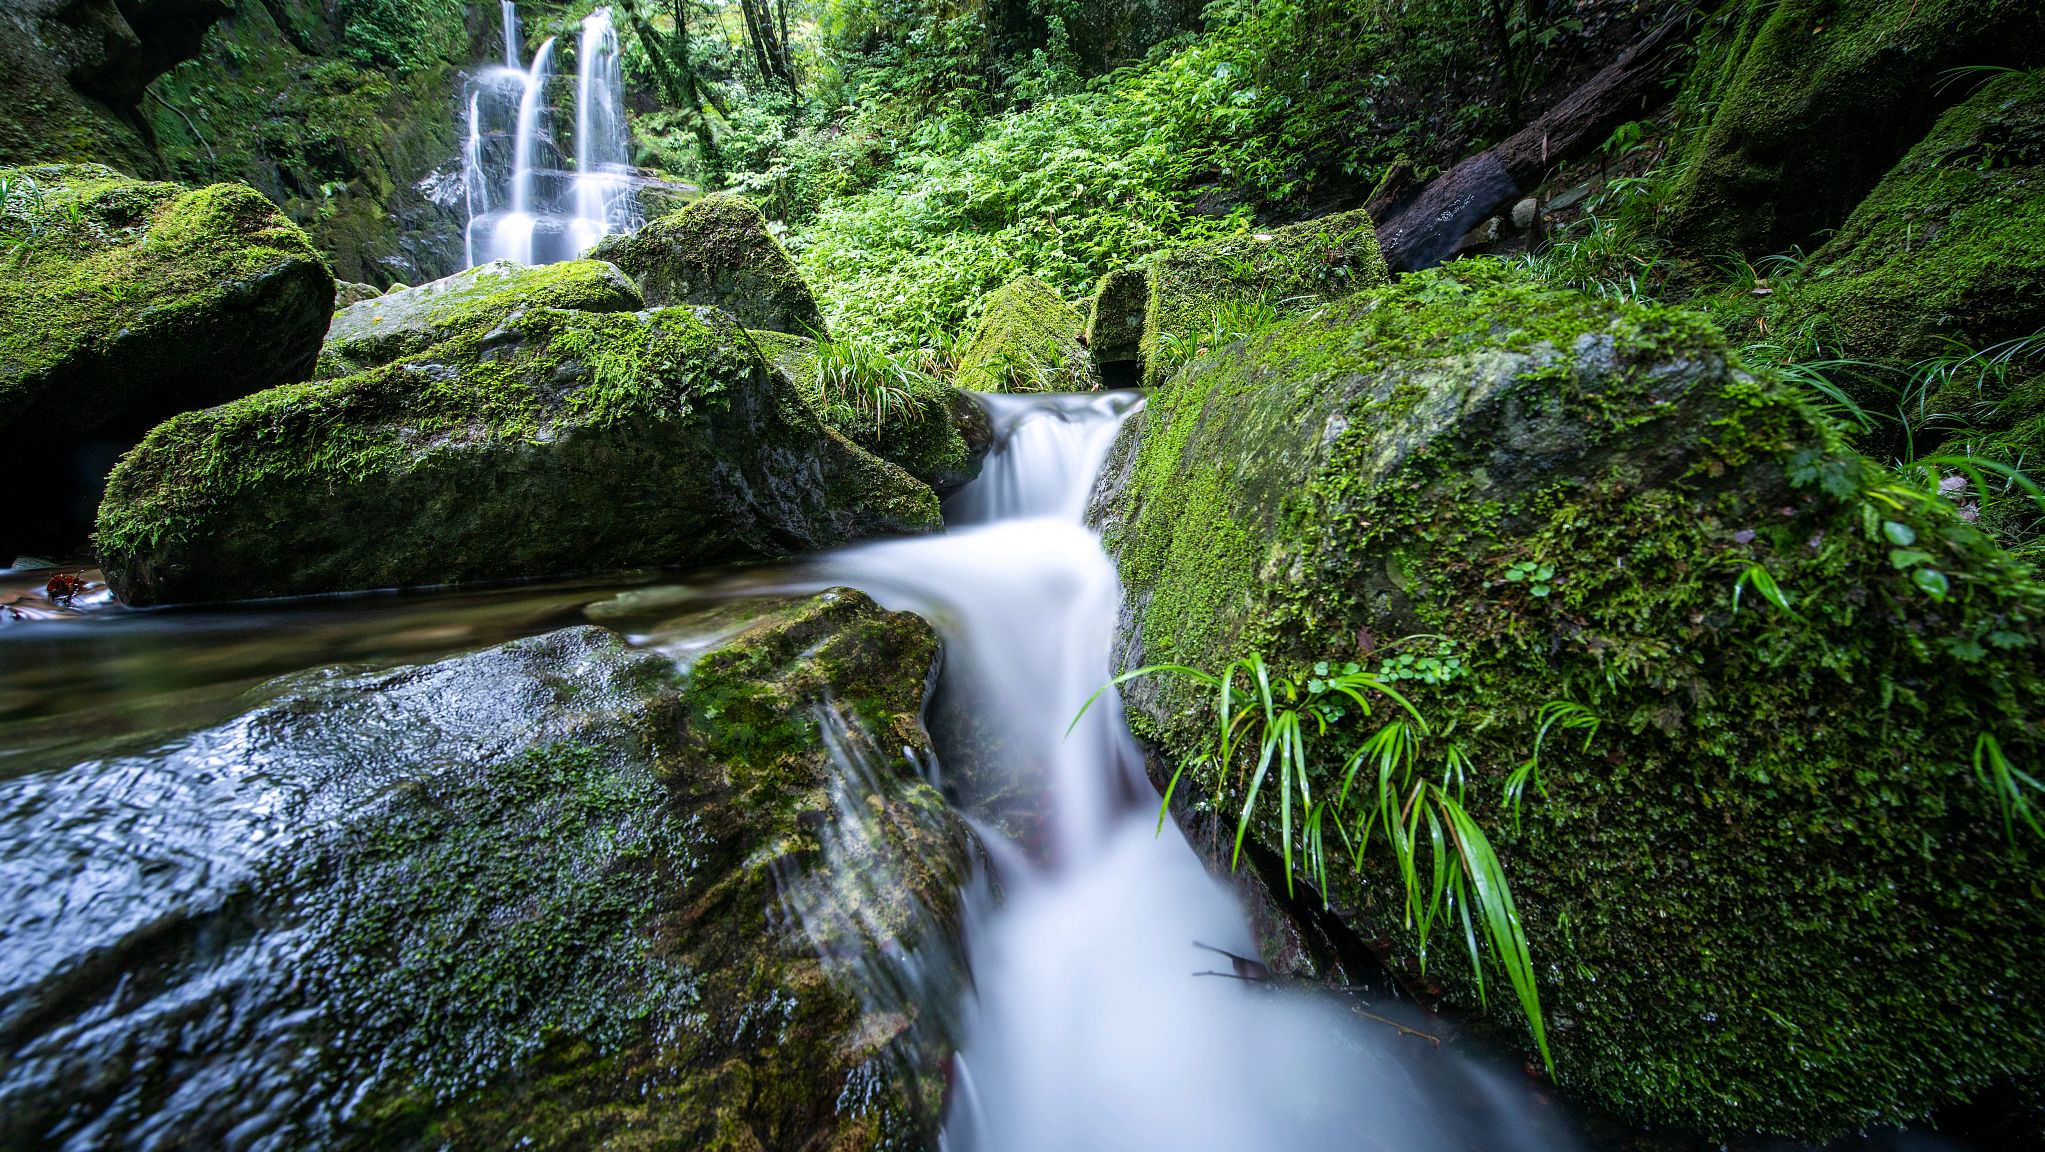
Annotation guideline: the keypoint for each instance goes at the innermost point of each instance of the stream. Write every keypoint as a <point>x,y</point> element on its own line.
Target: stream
<point>1104,1013</point>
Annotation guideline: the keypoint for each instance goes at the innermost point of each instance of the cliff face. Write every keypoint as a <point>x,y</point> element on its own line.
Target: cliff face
<point>356,141</point>
<point>73,71</point>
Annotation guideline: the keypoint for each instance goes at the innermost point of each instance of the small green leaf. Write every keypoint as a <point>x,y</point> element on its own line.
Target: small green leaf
<point>1933,582</point>
<point>1515,575</point>
<point>1539,590</point>
<point>1908,557</point>
<point>1901,535</point>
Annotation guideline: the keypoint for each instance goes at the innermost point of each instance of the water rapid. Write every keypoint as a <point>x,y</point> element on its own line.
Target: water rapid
<point>1103,1017</point>
<point>525,202</point>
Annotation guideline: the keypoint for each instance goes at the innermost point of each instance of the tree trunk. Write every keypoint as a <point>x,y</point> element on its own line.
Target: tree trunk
<point>1425,231</point>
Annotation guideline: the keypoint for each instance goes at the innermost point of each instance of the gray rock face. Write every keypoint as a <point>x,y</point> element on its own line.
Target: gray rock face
<point>529,897</point>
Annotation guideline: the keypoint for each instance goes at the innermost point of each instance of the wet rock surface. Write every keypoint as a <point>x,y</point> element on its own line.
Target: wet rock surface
<point>552,894</point>
<point>1027,340</point>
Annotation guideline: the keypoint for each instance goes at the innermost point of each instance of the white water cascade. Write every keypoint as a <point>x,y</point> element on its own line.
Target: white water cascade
<point>1097,1019</point>
<point>524,202</point>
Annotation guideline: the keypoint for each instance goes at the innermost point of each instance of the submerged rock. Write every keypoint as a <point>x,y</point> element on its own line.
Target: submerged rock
<point>552,894</point>
<point>1209,295</point>
<point>126,302</point>
<point>1805,104</point>
<point>1028,340</point>
<point>718,251</point>
<point>1757,893</point>
<point>931,430</point>
<point>391,325</point>
<point>547,442</point>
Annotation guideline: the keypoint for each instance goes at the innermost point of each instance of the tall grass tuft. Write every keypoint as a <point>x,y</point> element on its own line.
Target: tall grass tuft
<point>1402,787</point>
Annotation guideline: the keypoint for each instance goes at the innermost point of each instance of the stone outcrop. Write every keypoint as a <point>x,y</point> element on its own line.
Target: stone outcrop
<point>555,894</point>
<point>1757,889</point>
<point>718,251</point>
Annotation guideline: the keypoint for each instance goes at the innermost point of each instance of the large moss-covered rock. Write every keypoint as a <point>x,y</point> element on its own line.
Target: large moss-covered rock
<point>1757,896</point>
<point>933,431</point>
<point>1210,295</point>
<point>554,894</point>
<point>1803,105</point>
<point>125,302</point>
<point>388,326</point>
<point>718,251</point>
<point>1950,247</point>
<point>1027,340</point>
<point>541,442</point>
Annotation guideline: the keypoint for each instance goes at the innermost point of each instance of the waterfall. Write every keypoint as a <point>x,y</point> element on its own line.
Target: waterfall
<point>524,203</point>
<point>1098,1018</point>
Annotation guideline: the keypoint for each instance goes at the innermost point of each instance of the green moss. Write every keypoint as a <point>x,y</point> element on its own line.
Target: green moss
<point>551,442</point>
<point>1755,898</point>
<point>399,323</point>
<point>1803,105</point>
<point>1114,320</point>
<point>1027,340</point>
<point>718,251</point>
<point>1949,247</point>
<point>1200,296</point>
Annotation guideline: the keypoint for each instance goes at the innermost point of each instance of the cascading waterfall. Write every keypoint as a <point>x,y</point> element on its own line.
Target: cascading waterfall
<point>1097,1020</point>
<point>524,203</point>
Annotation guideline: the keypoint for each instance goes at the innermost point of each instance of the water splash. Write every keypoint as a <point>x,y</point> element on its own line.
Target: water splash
<point>524,202</point>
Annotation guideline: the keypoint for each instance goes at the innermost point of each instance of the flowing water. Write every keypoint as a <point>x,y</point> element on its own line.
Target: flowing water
<point>525,202</point>
<point>1102,1013</point>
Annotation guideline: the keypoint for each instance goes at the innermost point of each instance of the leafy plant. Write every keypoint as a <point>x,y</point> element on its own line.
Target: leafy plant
<point>858,378</point>
<point>1403,786</point>
<point>2011,786</point>
<point>1535,575</point>
<point>1567,715</point>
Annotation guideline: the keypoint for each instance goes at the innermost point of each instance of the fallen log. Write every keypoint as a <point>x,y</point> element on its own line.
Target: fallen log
<point>1423,232</point>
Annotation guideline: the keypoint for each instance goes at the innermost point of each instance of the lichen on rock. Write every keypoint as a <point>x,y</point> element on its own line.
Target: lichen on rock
<point>718,251</point>
<point>1027,340</point>
<point>1753,897</point>
<point>1209,295</point>
<point>533,442</point>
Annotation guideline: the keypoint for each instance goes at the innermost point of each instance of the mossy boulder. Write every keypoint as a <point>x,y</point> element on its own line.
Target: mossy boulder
<point>1804,105</point>
<point>1114,324</point>
<point>1759,893</point>
<point>1027,340</point>
<point>556,894</point>
<point>125,302</point>
<point>1949,247</point>
<point>541,443</point>
<point>931,430</point>
<point>718,251</point>
<point>1206,296</point>
<point>391,325</point>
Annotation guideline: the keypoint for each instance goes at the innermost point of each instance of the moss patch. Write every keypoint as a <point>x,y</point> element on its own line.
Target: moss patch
<point>718,251</point>
<point>932,432</point>
<point>1027,340</point>
<point>1204,297</point>
<point>1806,104</point>
<point>1114,322</point>
<point>1755,899</point>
